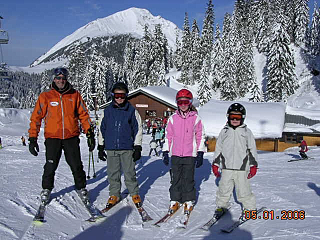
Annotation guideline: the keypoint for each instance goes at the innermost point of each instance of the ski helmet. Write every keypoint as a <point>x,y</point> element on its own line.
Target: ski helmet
<point>120,86</point>
<point>60,70</point>
<point>184,93</point>
<point>237,107</point>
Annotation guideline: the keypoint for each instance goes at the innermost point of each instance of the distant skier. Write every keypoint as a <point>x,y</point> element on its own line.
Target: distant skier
<point>0,143</point>
<point>61,107</point>
<point>153,147</point>
<point>185,138</point>
<point>236,154</point>
<point>303,149</point>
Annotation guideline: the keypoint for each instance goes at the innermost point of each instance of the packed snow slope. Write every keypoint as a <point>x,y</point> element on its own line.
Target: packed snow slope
<point>279,185</point>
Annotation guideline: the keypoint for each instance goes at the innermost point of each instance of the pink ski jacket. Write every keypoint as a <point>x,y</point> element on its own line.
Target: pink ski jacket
<point>184,135</point>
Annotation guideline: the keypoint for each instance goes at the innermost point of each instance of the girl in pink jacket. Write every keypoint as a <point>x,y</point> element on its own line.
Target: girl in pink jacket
<point>184,138</point>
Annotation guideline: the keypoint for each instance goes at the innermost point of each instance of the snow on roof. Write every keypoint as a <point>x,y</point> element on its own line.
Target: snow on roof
<point>265,120</point>
<point>164,93</point>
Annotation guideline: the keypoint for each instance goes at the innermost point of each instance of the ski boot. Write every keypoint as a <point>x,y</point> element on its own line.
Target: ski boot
<point>220,211</point>
<point>113,200</point>
<point>45,196</point>
<point>84,195</point>
<point>137,200</point>
<point>188,207</point>
<point>174,206</point>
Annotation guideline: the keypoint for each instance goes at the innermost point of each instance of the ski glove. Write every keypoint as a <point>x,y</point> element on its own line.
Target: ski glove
<point>101,153</point>
<point>136,153</point>
<point>90,139</point>
<point>215,170</point>
<point>165,158</point>
<point>253,171</point>
<point>33,146</point>
<point>199,159</point>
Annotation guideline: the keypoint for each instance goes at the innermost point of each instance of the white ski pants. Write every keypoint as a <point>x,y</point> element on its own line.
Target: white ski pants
<point>238,179</point>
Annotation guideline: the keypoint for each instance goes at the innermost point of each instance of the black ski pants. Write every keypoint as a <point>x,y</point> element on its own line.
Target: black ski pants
<point>71,149</point>
<point>183,185</point>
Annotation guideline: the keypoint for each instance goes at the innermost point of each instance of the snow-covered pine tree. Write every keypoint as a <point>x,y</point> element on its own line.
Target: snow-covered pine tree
<point>228,85</point>
<point>196,54</point>
<point>282,80</point>
<point>77,67</point>
<point>46,79</point>
<point>314,32</point>
<point>186,49</point>
<point>207,33</point>
<point>204,88</point>
<point>216,61</point>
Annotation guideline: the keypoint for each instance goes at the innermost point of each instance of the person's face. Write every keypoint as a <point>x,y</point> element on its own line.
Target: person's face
<point>119,100</point>
<point>235,119</point>
<point>183,104</point>
<point>60,81</point>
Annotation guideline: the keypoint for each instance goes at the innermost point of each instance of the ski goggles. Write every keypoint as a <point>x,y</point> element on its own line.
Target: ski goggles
<point>59,78</point>
<point>235,117</point>
<point>59,71</point>
<point>119,95</point>
<point>184,102</point>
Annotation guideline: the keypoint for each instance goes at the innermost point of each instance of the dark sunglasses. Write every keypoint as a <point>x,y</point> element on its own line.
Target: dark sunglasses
<point>119,95</point>
<point>59,71</point>
<point>59,78</point>
<point>184,102</point>
<point>235,117</point>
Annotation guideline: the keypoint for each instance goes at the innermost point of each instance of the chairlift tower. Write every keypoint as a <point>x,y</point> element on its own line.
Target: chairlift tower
<point>4,39</point>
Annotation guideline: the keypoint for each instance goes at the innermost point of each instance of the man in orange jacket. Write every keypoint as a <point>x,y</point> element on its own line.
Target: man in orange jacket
<point>61,107</point>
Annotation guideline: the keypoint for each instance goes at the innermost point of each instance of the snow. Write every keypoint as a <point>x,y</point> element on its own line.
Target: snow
<point>278,185</point>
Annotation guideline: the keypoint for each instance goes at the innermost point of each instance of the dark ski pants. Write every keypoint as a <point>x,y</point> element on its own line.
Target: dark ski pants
<point>151,149</point>
<point>182,187</point>
<point>71,148</point>
<point>303,155</point>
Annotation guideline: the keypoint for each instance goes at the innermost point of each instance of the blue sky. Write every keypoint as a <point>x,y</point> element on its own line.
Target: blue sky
<point>34,26</point>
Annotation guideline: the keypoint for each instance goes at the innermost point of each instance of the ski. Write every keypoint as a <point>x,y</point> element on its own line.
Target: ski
<point>241,221</point>
<point>213,220</point>
<point>300,159</point>
<point>94,212</point>
<point>144,215</point>
<point>165,217</point>
<point>39,217</point>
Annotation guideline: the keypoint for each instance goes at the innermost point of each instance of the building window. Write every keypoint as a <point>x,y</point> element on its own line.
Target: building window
<point>292,138</point>
<point>168,113</point>
<point>151,113</point>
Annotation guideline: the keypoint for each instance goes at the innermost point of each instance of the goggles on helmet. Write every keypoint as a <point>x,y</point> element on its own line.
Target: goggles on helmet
<point>235,117</point>
<point>181,102</point>
<point>59,71</point>
<point>119,95</point>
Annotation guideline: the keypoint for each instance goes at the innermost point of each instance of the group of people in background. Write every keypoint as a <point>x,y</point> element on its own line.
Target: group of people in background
<point>181,137</point>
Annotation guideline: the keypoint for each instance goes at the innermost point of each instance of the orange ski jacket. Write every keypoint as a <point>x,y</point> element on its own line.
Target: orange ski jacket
<point>61,113</point>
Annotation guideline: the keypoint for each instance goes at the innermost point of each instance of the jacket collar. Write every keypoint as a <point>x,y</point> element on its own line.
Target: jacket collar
<point>66,88</point>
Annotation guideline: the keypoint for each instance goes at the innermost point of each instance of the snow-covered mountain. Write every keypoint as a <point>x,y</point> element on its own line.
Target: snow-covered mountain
<point>131,21</point>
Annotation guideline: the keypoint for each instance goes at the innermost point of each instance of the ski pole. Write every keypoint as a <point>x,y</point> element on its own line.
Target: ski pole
<point>88,177</point>
<point>94,171</point>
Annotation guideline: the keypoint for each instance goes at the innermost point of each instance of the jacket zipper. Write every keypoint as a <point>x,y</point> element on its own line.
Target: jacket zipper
<point>62,113</point>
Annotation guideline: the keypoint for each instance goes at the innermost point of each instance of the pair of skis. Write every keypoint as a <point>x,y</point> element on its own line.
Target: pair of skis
<point>300,159</point>
<point>182,223</point>
<point>227,229</point>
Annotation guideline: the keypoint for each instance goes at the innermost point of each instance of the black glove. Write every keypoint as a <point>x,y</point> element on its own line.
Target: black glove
<point>90,139</point>
<point>33,146</point>
<point>165,158</point>
<point>199,159</point>
<point>136,153</point>
<point>101,153</point>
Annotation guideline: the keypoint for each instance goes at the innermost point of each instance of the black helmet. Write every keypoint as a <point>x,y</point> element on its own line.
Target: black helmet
<point>237,107</point>
<point>121,86</point>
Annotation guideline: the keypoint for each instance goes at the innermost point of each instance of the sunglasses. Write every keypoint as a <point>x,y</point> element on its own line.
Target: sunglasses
<point>59,78</point>
<point>59,71</point>
<point>184,102</point>
<point>119,95</point>
<point>235,117</point>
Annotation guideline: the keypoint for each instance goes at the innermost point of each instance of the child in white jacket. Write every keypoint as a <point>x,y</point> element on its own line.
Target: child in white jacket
<point>236,155</point>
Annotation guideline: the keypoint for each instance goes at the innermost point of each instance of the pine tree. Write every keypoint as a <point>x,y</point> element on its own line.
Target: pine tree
<point>314,35</point>
<point>204,89</point>
<point>282,80</point>
<point>217,61</point>
<point>207,31</point>
<point>46,79</point>
<point>186,53</point>
<point>196,61</point>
